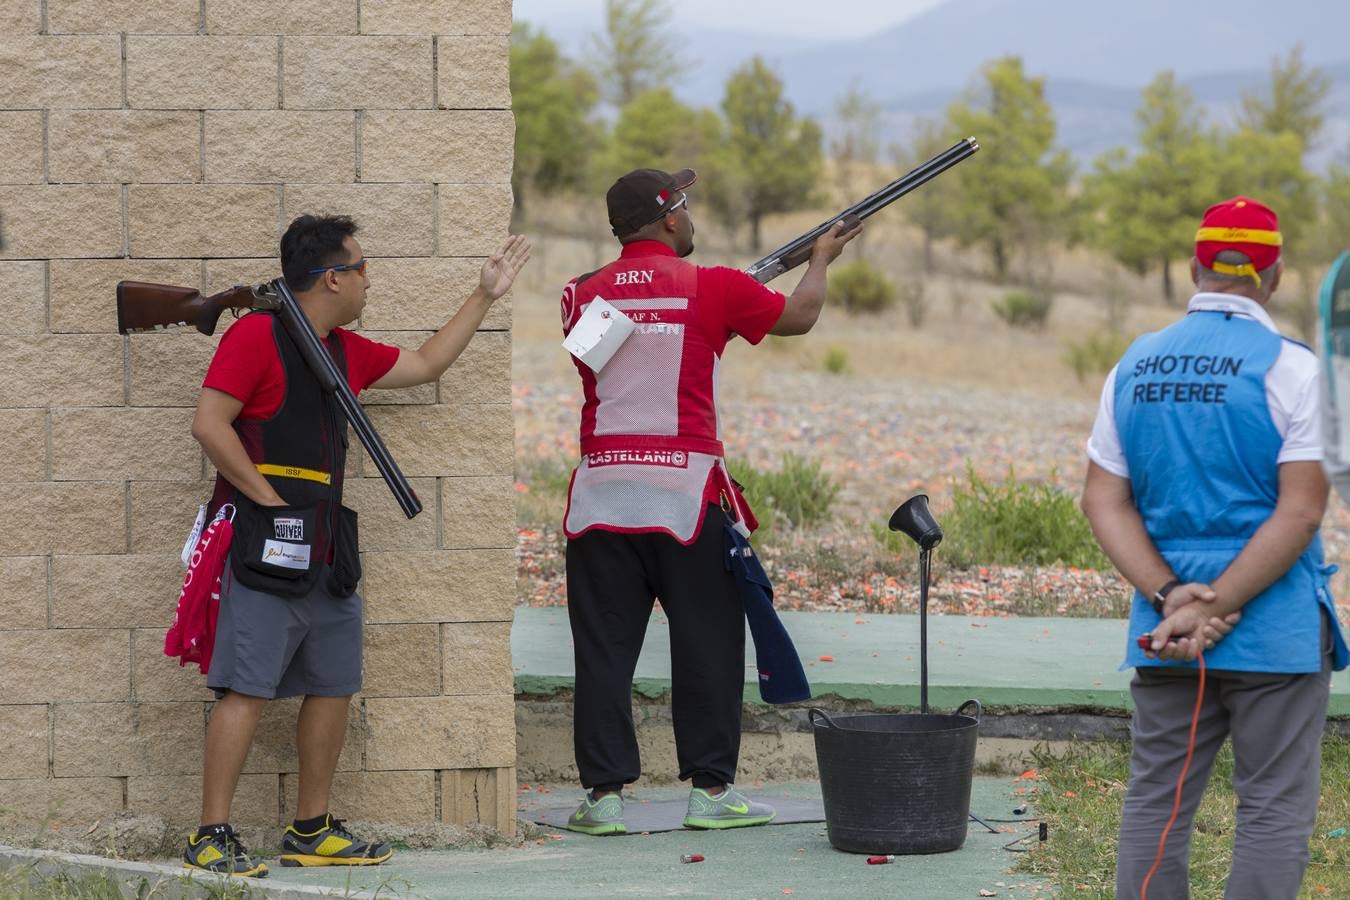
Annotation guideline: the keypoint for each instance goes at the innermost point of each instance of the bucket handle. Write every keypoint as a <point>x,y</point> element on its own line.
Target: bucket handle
<point>813,712</point>
<point>979,710</point>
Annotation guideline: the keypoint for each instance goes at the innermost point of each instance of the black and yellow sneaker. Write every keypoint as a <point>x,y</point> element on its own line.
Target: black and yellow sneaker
<point>217,849</point>
<point>331,845</point>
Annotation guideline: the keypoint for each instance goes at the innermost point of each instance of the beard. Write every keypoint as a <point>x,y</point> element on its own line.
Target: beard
<point>688,251</point>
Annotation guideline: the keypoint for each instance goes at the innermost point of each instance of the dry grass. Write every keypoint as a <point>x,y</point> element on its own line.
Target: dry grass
<point>1080,792</point>
<point>913,407</point>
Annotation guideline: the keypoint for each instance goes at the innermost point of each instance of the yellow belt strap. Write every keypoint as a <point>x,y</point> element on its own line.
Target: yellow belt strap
<point>295,472</point>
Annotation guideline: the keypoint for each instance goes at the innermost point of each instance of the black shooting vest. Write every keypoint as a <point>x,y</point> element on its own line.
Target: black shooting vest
<point>301,451</point>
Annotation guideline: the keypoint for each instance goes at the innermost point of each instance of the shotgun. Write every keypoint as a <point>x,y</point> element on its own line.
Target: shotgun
<point>153,307</point>
<point>142,306</point>
<point>798,250</point>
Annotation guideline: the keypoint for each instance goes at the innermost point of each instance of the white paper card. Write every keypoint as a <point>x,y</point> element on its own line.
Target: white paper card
<point>194,535</point>
<point>598,334</point>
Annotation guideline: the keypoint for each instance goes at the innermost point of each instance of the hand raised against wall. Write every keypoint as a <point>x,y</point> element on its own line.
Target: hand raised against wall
<point>501,268</point>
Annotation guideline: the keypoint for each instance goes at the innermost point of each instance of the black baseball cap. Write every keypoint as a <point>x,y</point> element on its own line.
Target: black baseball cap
<point>643,196</point>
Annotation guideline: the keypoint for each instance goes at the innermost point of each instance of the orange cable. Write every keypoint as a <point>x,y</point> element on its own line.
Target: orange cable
<point>1181,781</point>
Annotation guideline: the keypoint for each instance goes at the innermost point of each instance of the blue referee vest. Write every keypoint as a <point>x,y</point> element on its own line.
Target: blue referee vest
<point>1195,427</point>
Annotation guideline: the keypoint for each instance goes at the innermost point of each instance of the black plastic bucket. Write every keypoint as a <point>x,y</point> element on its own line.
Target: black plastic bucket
<point>897,783</point>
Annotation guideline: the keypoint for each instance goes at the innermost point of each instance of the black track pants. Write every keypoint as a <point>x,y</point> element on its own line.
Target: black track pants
<point>612,580</point>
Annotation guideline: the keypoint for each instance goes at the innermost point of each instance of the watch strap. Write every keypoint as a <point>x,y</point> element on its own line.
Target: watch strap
<point>1160,595</point>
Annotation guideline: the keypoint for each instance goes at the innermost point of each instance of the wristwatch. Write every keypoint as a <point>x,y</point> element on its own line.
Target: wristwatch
<point>1160,595</point>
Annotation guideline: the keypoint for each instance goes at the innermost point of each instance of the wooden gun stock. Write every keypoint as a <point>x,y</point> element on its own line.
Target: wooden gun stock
<point>153,307</point>
<point>142,306</point>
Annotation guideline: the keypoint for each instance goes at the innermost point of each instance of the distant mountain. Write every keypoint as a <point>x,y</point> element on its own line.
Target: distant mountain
<point>707,56</point>
<point>1096,57</point>
<point>710,55</point>
<point>1123,43</point>
<point>1092,118</point>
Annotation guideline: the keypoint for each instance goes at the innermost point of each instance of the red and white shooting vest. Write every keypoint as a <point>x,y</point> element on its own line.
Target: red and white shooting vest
<point>651,454</point>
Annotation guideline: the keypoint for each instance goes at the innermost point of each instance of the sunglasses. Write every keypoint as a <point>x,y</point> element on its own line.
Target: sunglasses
<point>358,266</point>
<point>683,201</point>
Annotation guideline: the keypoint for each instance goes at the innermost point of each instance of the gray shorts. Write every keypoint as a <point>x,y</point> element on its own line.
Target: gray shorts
<point>270,646</point>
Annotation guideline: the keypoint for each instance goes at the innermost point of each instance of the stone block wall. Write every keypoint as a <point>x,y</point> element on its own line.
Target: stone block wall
<point>171,141</point>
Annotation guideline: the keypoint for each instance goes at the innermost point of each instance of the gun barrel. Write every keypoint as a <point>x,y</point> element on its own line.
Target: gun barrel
<point>796,251</point>
<point>322,365</point>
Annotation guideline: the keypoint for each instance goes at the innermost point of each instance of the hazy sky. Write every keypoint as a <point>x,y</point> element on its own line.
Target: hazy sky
<point>818,19</point>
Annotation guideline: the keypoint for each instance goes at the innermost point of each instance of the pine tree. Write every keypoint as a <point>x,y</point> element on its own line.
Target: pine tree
<point>1149,204</point>
<point>633,54</point>
<point>552,100</point>
<point>777,153</point>
<point>1013,194</point>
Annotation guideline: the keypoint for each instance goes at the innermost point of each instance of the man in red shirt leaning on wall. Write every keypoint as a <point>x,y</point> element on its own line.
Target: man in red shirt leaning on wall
<point>290,617</point>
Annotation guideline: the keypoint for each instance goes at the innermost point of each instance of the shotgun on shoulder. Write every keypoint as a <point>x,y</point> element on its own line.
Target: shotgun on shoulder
<point>798,250</point>
<point>154,307</point>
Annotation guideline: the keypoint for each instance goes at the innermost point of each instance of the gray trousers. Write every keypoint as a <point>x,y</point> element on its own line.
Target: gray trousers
<point>1276,724</point>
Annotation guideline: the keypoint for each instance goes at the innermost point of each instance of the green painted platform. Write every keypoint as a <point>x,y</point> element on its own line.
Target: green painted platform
<point>1013,663</point>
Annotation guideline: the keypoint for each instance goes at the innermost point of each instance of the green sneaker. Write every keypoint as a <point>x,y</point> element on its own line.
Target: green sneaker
<point>729,809</point>
<point>597,817</point>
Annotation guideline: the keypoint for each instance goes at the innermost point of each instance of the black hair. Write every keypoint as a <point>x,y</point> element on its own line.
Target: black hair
<point>311,242</point>
<point>648,232</point>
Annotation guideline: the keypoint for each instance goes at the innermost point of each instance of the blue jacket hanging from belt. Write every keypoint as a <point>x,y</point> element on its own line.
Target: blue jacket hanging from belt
<point>781,677</point>
<point>1202,448</point>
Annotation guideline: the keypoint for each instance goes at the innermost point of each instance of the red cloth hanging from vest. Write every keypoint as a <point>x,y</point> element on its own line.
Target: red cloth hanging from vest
<point>192,636</point>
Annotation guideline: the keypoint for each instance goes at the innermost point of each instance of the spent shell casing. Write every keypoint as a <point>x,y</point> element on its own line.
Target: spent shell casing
<point>880,860</point>
<point>692,857</point>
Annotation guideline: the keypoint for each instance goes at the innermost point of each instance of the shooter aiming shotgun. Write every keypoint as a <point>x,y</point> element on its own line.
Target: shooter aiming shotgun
<point>154,307</point>
<point>798,251</point>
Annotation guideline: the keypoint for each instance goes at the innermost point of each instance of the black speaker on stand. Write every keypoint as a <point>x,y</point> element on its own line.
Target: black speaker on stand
<point>914,518</point>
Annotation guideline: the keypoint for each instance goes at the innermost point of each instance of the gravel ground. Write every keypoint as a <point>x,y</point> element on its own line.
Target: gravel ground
<point>988,397</point>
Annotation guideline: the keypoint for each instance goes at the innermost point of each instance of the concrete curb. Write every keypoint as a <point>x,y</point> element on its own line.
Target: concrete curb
<point>135,879</point>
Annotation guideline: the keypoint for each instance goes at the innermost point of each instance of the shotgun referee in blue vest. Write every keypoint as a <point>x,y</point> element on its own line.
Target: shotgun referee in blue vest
<point>1205,488</point>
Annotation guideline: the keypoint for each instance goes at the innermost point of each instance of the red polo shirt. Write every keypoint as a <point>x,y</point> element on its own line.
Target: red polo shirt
<point>247,365</point>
